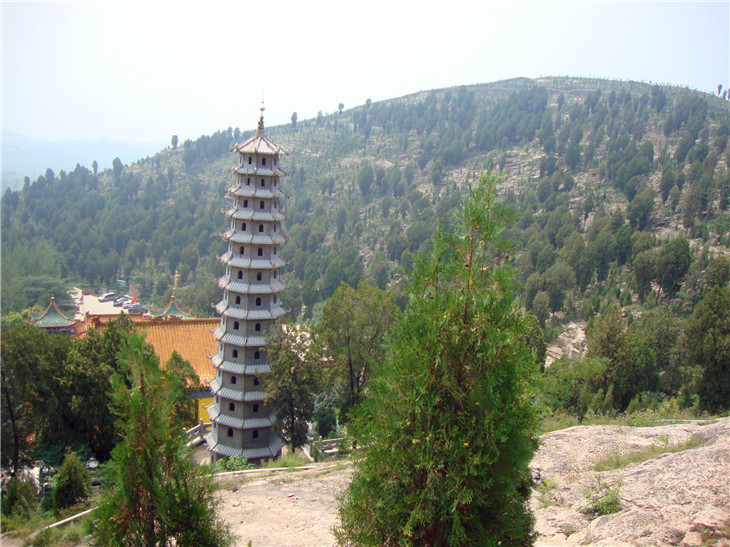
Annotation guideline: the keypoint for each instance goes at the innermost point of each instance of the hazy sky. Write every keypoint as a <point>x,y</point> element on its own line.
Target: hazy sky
<point>144,71</point>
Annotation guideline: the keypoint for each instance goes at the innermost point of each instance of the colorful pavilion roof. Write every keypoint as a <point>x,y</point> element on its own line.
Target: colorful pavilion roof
<point>53,317</point>
<point>171,310</point>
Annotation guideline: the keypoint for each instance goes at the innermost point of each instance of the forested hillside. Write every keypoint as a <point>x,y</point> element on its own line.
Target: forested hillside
<point>622,188</point>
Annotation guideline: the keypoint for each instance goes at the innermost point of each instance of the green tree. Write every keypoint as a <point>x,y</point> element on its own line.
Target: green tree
<point>640,208</point>
<point>183,406</point>
<point>541,306</point>
<point>632,365</point>
<point>174,142</point>
<point>708,346</point>
<point>644,267</point>
<point>717,273</point>
<point>117,167</point>
<point>72,483</point>
<point>294,119</point>
<point>658,327</point>
<point>34,401</point>
<point>365,178</point>
<point>448,423</point>
<point>355,325</point>
<point>673,261</point>
<point>157,496</point>
<point>293,381</point>
<point>559,278</point>
<point>575,385</point>
<point>534,339</point>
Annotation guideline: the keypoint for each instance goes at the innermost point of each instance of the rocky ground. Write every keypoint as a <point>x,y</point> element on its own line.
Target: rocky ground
<point>678,498</point>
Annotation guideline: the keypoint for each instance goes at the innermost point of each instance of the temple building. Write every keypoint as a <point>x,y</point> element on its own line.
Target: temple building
<point>241,420</point>
<point>52,319</point>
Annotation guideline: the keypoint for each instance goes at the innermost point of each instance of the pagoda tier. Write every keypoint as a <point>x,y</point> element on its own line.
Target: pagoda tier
<point>242,422</point>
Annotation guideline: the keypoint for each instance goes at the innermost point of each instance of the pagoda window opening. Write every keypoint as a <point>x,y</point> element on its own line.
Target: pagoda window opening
<point>261,251</point>
<point>236,325</point>
<point>258,276</point>
<point>250,160</point>
<point>275,227</point>
<point>232,407</point>
<point>240,250</point>
<point>276,274</point>
<point>274,161</point>
<point>261,204</point>
<point>233,379</point>
<point>248,181</point>
<point>238,300</point>
<point>243,226</point>
<point>230,432</point>
<point>263,161</point>
<point>256,356</point>
<point>255,434</point>
<point>255,380</point>
<point>240,274</point>
<point>275,299</point>
<point>258,300</point>
<point>261,228</point>
<point>263,183</point>
<point>257,328</point>
<point>245,203</point>
<point>234,353</point>
<point>255,408</point>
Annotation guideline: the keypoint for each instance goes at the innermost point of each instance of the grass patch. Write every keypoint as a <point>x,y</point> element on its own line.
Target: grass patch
<point>617,461</point>
<point>605,499</point>
<point>290,460</point>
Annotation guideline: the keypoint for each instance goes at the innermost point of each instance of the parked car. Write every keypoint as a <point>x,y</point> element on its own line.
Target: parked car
<point>137,308</point>
<point>126,305</point>
<point>107,296</point>
<point>122,300</point>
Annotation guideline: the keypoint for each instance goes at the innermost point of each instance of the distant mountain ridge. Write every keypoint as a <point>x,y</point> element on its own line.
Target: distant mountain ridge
<point>27,157</point>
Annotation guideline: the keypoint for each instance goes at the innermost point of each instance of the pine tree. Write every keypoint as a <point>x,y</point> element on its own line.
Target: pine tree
<point>448,423</point>
<point>158,496</point>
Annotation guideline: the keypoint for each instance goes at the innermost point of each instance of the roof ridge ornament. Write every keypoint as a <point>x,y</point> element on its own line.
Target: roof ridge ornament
<point>260,128</point>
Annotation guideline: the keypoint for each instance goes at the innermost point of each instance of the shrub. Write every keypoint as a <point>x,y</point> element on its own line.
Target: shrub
<point>72,483</point>
<point>19,497</point>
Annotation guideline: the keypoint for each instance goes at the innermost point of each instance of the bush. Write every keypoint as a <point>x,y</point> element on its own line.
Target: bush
<point>19,497</point>
<point>72,483</point>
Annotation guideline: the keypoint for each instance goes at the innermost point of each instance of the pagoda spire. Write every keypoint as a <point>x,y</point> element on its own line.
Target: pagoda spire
<point>260,128</point>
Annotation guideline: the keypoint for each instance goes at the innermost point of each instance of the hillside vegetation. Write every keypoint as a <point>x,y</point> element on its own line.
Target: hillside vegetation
<point>606,175</point>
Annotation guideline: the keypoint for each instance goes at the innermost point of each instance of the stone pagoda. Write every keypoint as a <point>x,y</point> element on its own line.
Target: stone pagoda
<point>241,423</point>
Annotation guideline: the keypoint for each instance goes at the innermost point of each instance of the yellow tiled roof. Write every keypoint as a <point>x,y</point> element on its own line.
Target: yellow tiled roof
<point>191,338</point>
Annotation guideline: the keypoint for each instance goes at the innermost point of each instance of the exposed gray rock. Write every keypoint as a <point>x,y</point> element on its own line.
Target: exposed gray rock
<point>680,498</point>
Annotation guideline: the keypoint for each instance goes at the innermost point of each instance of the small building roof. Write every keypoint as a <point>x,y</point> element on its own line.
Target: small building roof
<point>53,318</point>
<point>171,310</point>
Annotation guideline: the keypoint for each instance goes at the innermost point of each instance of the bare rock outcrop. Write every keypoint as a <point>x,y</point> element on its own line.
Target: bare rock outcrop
<point>680,498</point>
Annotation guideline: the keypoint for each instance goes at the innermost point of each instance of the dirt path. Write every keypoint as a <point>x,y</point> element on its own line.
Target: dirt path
<point>297,508</point>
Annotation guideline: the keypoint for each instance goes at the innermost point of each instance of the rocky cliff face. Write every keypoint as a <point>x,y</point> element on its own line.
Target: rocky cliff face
<point>680,498</point>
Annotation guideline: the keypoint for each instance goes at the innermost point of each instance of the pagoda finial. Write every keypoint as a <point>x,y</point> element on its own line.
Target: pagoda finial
<point>260,128</point>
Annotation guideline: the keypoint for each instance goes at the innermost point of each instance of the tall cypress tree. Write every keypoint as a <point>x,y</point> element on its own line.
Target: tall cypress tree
<point>157,495</point>
<point>448,425</point>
